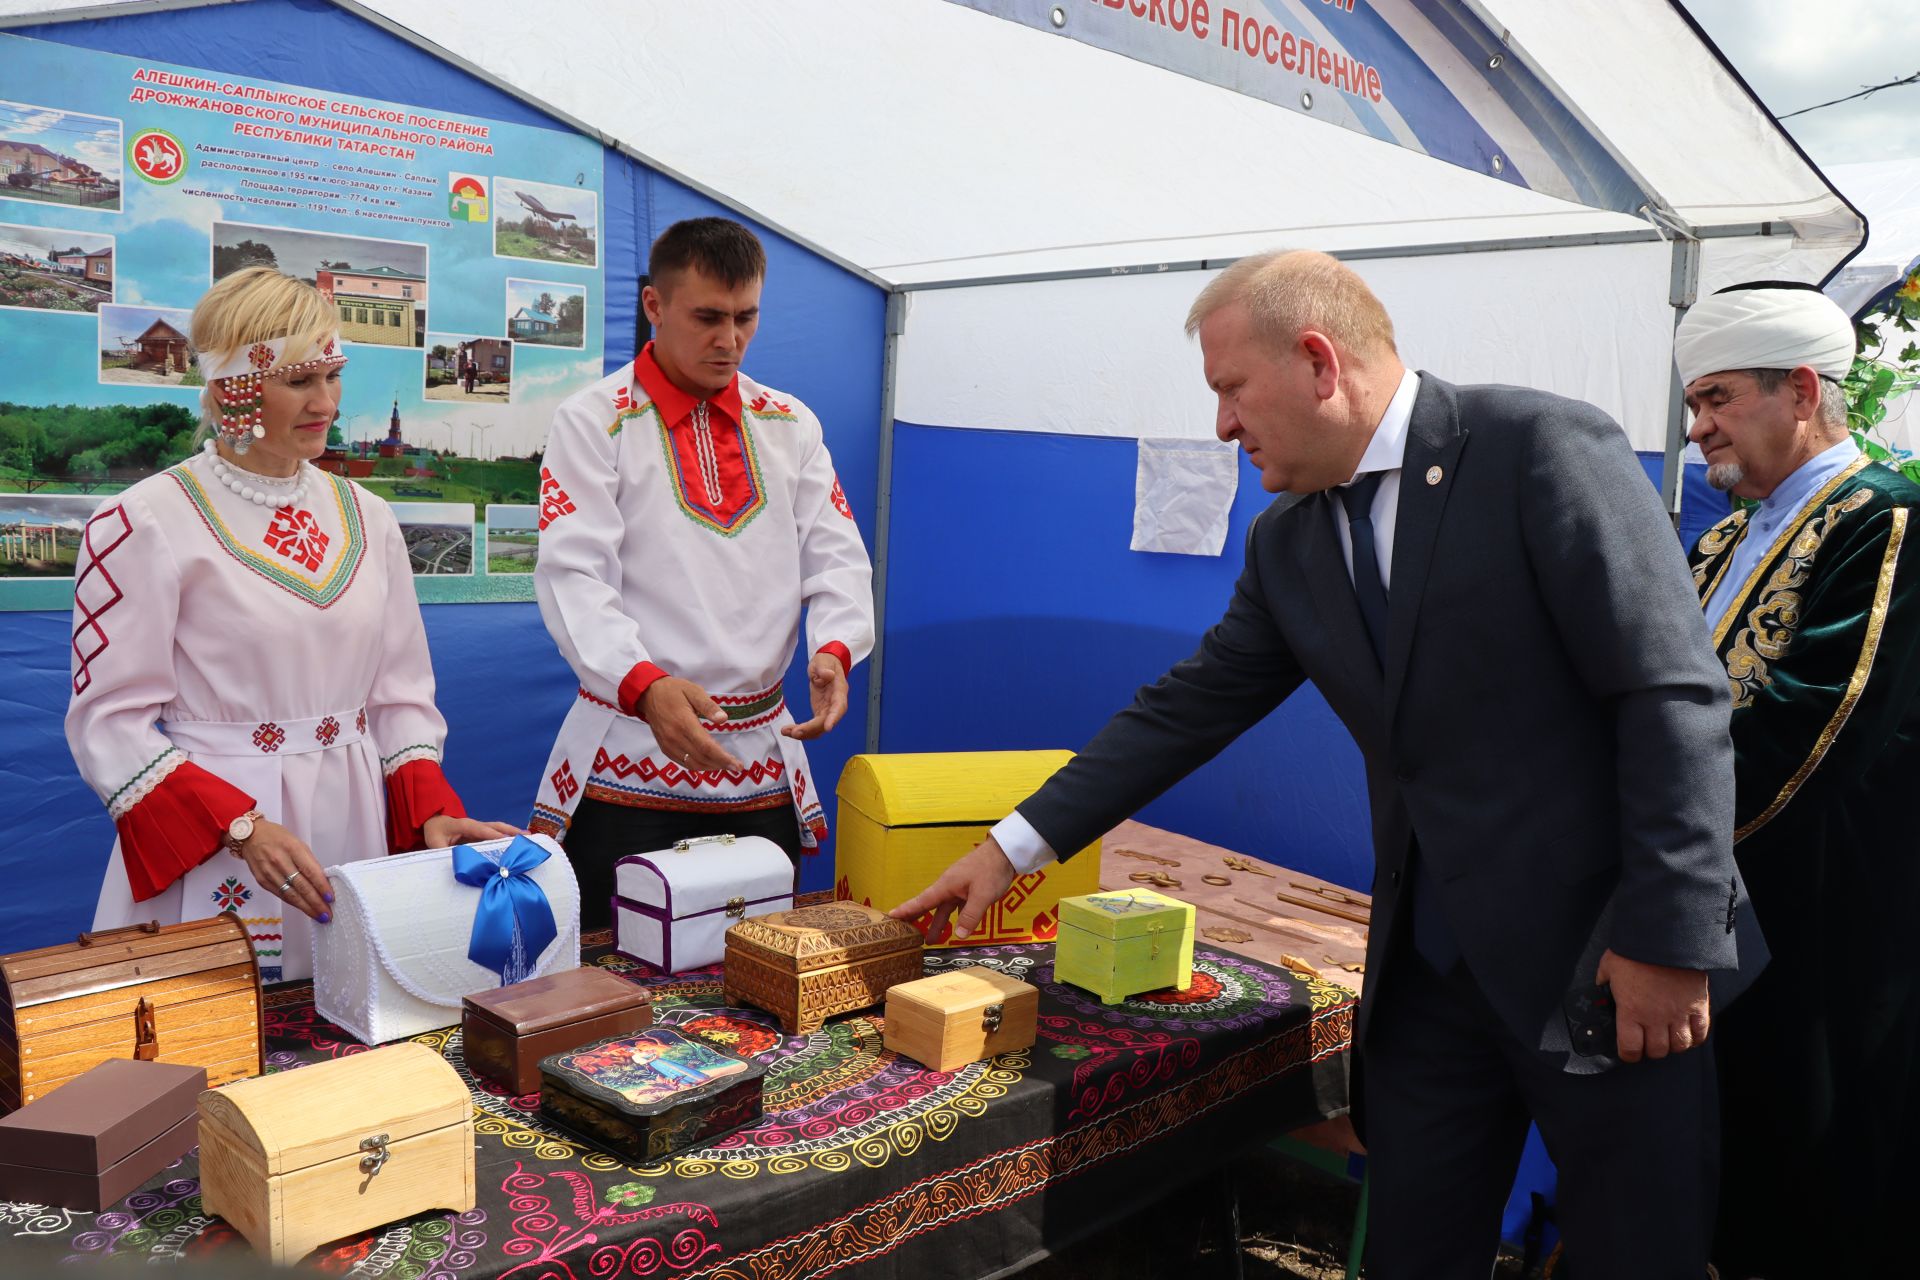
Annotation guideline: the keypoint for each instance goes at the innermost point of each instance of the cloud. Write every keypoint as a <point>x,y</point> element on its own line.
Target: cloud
<point>1795,55</point>
<point>39,122</point>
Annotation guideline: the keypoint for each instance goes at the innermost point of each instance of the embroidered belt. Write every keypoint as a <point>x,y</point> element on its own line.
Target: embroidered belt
<point>266,737</point>
<point>744,711</point>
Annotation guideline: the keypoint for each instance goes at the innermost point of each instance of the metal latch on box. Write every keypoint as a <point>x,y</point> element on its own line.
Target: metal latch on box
<point>736,907</point>
<point>990,1018</point>
<point>376,1149</point>
<point>681,846</point>
<point>146,1044</point>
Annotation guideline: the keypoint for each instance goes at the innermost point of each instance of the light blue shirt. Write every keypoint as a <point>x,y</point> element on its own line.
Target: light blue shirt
<point>1776,511</point>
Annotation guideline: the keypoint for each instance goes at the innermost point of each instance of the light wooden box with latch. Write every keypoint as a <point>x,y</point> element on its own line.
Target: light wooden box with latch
<point>951,1019</point>
<point>182,993</point>
<point>300,1158</point>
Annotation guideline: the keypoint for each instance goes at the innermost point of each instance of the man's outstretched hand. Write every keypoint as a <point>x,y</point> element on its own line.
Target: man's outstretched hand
<point>966,891</point>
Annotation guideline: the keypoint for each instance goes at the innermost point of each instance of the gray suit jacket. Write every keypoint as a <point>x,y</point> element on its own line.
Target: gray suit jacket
<point>1550,726</point>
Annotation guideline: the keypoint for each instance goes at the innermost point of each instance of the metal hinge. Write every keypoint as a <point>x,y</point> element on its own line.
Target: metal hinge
<point>990,1017</point>
<point>736,907</point>
<point>376,1149</point>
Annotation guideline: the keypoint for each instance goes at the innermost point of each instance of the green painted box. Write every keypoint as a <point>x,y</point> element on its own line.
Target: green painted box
<point>1121,943</point>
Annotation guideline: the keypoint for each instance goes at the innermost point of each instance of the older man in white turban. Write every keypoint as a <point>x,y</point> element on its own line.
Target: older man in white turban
<point>1813,598</point>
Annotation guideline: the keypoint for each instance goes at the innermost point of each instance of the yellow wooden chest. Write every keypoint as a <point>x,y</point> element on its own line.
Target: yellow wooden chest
<point>906,818</point>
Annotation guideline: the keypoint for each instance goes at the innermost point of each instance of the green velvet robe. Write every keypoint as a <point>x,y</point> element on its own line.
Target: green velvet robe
<point>1820,1080</point>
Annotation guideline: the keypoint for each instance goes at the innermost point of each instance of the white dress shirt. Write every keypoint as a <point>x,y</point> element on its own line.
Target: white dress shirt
<point>1385,452</point>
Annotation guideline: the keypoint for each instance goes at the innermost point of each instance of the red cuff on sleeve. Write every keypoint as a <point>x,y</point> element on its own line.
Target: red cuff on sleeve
<point>839,651</point>
<point>417,791</point>
<point>635,686</point>
<point>176,827</point>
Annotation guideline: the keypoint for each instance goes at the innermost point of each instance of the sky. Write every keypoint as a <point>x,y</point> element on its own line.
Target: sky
<point>92,140</point>
<point>1795,53</point>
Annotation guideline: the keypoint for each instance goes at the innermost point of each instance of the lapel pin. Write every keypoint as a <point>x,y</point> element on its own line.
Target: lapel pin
<point>1433,475</point>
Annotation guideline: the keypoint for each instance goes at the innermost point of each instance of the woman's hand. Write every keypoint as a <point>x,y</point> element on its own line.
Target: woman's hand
<point>442,832</point>
<point>274,855</point>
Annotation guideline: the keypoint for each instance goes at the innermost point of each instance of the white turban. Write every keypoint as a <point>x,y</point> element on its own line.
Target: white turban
<point>1763,328</point>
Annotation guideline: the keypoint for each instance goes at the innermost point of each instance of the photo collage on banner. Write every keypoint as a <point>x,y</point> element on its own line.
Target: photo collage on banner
<point>463,256</point>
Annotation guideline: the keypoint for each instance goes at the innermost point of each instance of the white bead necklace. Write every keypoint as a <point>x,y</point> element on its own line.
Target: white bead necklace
<point>262,496</point>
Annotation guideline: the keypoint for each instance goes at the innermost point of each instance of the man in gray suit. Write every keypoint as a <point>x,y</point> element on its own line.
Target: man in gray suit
<point>1483,586</point>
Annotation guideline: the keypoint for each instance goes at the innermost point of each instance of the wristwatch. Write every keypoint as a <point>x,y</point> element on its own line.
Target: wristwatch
<point>240,830</point>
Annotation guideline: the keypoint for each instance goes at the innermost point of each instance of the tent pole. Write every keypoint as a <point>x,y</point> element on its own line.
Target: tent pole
<point>883,515</point>
<point>1682,288</point>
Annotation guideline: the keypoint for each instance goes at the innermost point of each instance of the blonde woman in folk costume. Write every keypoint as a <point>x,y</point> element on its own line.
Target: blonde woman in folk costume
<point>252,693</point>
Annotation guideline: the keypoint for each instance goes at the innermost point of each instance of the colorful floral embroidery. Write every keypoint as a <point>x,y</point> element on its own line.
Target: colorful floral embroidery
<point>564,784</point>
<point>326,731</point>
<point>297,536</point>
<point>260,356</point>
<point>269,736</point>
<point>231,895</point>
<point>360,720</point>
<point>554,501</point>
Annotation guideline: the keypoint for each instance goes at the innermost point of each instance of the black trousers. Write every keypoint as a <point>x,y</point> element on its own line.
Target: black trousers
<point>1448,1094</point>
<point>603,833</point>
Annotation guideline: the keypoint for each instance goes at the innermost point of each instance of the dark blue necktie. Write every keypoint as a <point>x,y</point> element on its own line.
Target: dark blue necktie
<point>1357,498</point>
<point>1430,935</point>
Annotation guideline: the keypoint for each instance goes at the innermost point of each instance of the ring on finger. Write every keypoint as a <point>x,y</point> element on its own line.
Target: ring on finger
<point>286,886</point>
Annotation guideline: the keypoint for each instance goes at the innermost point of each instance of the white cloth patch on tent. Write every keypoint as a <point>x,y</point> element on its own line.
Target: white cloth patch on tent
<point>1182,493</point>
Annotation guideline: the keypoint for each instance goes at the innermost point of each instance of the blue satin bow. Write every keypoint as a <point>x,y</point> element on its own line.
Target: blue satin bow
<point>514,922</point>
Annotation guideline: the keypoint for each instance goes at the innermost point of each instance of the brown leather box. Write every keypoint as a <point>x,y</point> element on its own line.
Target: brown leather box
<point>93,1141</point>
<point>508,1030</point>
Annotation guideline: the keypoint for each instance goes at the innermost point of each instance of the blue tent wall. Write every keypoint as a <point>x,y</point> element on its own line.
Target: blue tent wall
<point>1017,617</point>
<point>502,686</point>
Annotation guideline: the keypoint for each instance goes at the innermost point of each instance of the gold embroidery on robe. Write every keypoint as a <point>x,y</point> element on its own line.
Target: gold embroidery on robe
<point>1722,538</point>
<point>1775,617</point>
<point>1862,669</point>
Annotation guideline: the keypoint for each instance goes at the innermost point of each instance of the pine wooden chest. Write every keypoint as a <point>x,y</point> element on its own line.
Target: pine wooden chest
<point>947,1020</point>
<point>505,1032</point>
<point>94,1141</point>
<point>906,818</point>
<point>808,965</point>
<point>182,993</point>
<point>1121,943</point>
<point>299,1158</point>
<point>645,1097</point>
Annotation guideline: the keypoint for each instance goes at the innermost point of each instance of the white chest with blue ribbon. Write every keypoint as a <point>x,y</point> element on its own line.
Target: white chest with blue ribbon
<point>414,934</point>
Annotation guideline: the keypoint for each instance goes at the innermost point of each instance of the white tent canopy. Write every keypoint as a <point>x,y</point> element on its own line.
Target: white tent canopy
<point>1888,193</point>
<point>941,150</point>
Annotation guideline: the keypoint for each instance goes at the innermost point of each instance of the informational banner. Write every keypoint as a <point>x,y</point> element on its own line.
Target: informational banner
<point>1426,75</point>
<point>464,257</point>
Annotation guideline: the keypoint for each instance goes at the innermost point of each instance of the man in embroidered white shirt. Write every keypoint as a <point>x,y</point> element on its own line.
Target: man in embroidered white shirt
<point>688,516</point>
<point>1483,586</point>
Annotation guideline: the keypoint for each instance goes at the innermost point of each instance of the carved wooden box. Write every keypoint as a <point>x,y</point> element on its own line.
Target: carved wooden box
<point>808,965</point>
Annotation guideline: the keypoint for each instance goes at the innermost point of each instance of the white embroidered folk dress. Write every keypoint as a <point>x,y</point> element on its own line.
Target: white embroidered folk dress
<point>683,537</point>
<point>280,651</point>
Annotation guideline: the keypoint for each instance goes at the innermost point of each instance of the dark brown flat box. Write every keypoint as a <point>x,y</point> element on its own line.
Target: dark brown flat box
<point>507,1031</point>
<point>93,1141</point>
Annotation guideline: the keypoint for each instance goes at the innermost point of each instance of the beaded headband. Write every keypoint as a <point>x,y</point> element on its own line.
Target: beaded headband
<point>243,371</point>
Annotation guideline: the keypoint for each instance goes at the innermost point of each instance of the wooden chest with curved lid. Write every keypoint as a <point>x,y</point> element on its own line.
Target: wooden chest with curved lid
<point>301,1157</point>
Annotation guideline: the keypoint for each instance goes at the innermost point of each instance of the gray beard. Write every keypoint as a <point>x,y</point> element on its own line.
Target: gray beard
<point>1725,475</point>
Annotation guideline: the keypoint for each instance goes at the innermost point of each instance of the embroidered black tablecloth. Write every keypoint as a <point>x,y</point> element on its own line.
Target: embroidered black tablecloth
<point>865,1160</point>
